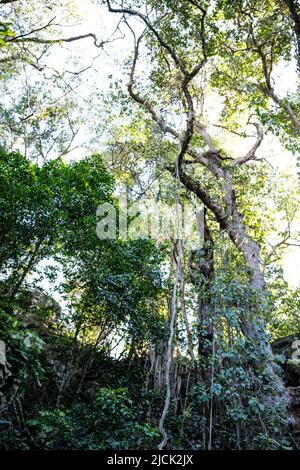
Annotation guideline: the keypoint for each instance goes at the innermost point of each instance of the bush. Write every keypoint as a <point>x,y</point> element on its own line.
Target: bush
<point>109,422</point>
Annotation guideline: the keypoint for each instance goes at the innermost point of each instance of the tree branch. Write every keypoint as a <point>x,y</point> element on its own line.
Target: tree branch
<point>55,41</point>
<point>294,12</point>
<point>152,29</point>
<point>251,154</point>
<point>203,159</point>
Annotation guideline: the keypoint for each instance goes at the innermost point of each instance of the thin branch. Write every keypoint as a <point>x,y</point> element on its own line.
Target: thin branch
<point>239,134</point>
<point>173,316</point>
<point>152,29</point>
<point>56,41</point>
<point>41,28</point>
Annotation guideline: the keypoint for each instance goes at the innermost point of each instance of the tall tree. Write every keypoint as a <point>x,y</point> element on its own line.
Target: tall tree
<point>180,43</point>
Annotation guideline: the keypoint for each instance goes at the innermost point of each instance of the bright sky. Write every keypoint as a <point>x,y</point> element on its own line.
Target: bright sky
<point>95,18</point>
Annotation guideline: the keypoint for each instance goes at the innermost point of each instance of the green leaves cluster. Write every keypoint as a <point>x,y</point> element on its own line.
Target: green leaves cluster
<point>110,422</point>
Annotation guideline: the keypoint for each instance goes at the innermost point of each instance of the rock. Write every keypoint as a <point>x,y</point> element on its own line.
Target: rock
<point>289,348</point>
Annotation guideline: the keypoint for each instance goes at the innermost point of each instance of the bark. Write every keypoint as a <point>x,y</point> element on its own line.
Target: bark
<point>169,352</point>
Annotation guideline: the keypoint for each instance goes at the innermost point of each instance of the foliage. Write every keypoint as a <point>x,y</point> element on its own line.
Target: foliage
<point>91,355</point>
<point>108,423</point>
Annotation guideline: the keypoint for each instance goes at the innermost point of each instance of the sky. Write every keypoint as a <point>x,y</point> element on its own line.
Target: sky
<point>95,18</point>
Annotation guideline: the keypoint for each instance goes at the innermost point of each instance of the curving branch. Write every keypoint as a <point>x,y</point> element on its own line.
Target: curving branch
<point>251,154</point>
<point>37,40</point>
<point>229,218</point>
<point>267,66</point>
<point>203,195</point>
<point>205,158</point>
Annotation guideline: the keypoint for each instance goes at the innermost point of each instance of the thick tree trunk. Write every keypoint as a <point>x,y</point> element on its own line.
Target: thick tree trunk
<point>249,248</point>
<point>201,274</point>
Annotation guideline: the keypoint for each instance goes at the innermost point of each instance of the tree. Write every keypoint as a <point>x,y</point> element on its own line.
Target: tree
<point>49,213</point>
<point>180,44</point>
<point>253,42</point>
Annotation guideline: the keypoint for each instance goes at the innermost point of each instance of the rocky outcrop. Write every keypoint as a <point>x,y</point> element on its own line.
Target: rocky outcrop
<point>294,393</point>
<point>288,348</point>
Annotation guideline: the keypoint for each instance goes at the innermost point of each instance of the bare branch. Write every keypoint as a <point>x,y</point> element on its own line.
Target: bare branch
<point>55,41</point>
<point>199,191</point>
<point>251,154</point>
<point>240,134</point>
